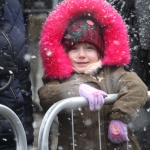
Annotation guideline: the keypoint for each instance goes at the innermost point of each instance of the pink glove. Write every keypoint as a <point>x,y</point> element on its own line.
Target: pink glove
<point>94,96</point>
<point>117,131</point>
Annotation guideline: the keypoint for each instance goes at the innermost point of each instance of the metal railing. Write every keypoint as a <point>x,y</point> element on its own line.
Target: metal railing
<point>65,104</point>
<point>20,137</point>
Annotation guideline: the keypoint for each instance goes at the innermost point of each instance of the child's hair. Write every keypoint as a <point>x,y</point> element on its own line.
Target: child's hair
<point>84,30</point>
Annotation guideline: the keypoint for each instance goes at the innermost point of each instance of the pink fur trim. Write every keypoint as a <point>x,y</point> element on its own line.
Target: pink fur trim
<point>54,57</point>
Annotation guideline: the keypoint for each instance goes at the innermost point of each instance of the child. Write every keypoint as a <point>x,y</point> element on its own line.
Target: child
<point>84,46</point>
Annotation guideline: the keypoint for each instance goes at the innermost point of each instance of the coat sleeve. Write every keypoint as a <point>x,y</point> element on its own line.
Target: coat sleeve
<point>132,95</point>
<point>54,91</point>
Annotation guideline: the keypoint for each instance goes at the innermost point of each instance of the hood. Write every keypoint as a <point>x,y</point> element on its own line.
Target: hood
<point>55,60</point>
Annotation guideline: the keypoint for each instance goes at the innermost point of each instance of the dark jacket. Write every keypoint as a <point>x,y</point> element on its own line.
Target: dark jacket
<point>18,96</point>
<point>132,96</point>
<point>142,11</point>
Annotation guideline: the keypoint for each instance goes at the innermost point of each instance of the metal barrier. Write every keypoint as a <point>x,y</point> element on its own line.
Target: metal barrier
<point>65,104</point>
<point>20,137</point>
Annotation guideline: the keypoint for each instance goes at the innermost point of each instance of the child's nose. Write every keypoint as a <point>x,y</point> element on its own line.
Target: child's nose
<point>81,54</point>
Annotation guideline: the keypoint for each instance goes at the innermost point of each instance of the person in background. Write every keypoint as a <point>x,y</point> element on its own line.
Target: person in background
<point>13,51</point>
<point>84,50</point>
<point>136,14</point>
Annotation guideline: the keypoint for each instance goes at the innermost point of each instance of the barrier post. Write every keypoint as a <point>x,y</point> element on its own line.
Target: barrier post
<point>20,137</point>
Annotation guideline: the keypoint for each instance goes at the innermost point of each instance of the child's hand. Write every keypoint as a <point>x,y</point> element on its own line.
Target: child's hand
<point>94,96</point>
<point>117,131</point>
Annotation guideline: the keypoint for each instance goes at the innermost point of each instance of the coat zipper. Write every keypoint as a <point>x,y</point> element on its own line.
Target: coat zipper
<point>9,42</point>
<point>12,54</point>
<point>14,94</point>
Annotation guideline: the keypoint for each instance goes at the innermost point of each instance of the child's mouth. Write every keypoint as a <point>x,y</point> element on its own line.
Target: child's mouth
<point>82,62</point>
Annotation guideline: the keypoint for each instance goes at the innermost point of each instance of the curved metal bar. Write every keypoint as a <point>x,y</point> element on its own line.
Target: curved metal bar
<point>56,108</point>
<point>9,83</point>
<point>17,127</point>
<point>65,104</point>
<point>42,126</point>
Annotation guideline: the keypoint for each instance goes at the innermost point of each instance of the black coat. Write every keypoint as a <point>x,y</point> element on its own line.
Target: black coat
<point>142,10</point>
<point>18,96</point>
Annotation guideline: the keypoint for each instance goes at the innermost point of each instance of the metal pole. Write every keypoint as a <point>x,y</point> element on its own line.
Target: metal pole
<point>127,146</point>
<point>42,127</point>
<point>55,2</point>
<point>72,129</point>
<point>18,129</point>
<point>100,141</point>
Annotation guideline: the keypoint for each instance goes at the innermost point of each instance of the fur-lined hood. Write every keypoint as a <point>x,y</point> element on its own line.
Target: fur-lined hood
<point>55,60</point>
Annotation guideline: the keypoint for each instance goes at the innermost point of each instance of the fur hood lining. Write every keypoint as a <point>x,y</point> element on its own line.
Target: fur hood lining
<point>55,60</point>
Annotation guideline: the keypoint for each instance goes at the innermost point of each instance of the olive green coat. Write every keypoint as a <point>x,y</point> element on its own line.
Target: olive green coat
<point>132,95</point>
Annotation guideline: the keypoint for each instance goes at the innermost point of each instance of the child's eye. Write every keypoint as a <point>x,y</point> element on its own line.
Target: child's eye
<point>74,48</point>
<point>89,47</point>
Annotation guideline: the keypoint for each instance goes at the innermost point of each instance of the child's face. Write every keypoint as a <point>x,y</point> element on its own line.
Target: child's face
<point>82,56</point>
